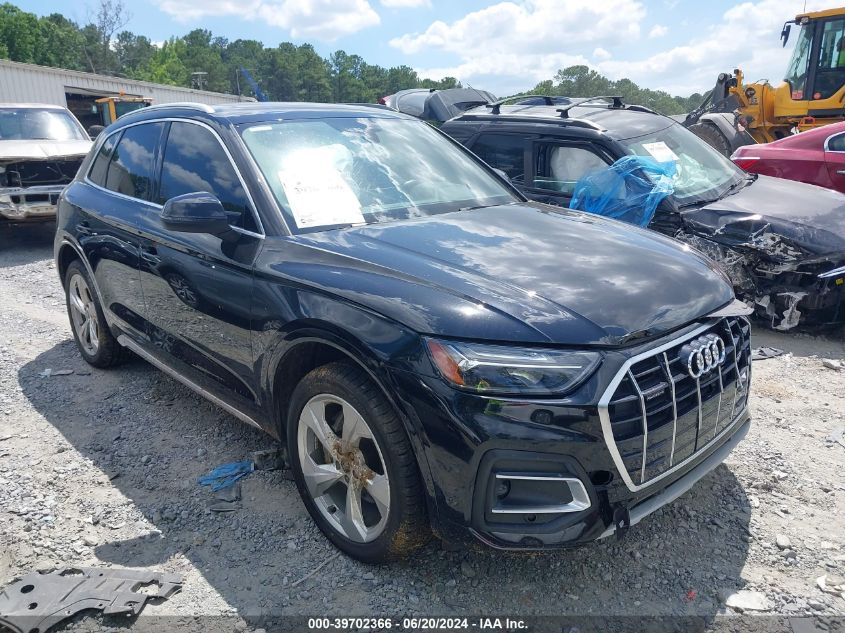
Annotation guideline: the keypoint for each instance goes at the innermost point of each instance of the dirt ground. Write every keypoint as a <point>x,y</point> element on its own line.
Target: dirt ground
<point>99,468</point>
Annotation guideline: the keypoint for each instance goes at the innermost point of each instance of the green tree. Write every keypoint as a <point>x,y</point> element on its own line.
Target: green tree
<point>19,33</point>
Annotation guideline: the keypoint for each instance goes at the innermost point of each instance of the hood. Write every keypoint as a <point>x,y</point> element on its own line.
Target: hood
<point>770,210</point>
<point>520,272</point>
<point>42,150</point>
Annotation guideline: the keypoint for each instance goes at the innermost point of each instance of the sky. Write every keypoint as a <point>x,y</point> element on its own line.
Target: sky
<point>505,47</point>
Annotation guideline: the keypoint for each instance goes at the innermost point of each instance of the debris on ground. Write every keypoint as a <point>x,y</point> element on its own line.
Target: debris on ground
<point>837,436</point>
<point>833,364</point>
<point>762,353</point>
<point>744,600</point>
<point>227,499</point>
<point>38,601</point>
<point>47,373</point>
<point>270,459</point>
<point>226,474</point>
<point>835,586</point>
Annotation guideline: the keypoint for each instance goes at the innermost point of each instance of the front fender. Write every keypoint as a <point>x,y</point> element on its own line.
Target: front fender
<point>374,343</point>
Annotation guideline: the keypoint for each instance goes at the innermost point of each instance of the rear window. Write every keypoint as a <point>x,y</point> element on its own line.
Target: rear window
<point>97,175</point>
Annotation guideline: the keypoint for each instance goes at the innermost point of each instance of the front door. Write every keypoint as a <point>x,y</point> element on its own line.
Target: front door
<point>198,287</point>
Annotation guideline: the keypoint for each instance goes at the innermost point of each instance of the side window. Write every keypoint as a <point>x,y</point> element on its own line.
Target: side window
<point>558,167</point>
<point>100,166</point>
<point>836,144</point>
<point>194,161</point>
<point>831,67</point>
<point>131,168</point>
<point>503,151</point>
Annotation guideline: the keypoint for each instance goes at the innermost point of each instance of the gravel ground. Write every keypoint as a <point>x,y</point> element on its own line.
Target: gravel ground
<point>99,468</point>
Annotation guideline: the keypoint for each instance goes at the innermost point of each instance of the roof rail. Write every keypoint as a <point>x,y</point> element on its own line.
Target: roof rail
<point>617,103</point>
<point>182,104</point>
<point>494,107</point>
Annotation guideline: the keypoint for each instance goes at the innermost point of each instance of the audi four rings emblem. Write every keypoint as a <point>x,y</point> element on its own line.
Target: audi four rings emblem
<point>703,355</point>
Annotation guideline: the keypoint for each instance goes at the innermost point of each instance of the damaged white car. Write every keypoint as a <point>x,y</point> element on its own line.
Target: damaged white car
<point>41,149</point>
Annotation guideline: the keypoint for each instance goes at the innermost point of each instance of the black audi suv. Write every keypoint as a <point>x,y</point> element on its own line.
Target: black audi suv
<point>437,353</point>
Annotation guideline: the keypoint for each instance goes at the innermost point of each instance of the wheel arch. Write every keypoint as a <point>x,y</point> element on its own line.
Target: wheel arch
<point>66,253</point>
<point>315,344</point>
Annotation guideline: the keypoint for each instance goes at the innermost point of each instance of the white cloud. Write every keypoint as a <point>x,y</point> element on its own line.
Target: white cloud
<point>405,4</point>
<point>318,19</point>
<point>534,26</point>
<point>693,67</point>
<point>532,40</point>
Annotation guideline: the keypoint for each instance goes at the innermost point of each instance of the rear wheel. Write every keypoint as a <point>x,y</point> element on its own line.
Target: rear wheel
<point>711,135</point>
<point>354,466</point>
<point>93,338</point>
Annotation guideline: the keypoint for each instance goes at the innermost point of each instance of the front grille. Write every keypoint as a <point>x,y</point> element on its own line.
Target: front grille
<point>35,173</point>
<point>660,416</point>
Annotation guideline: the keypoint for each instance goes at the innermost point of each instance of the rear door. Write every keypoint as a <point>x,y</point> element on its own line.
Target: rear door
<point>198,287</point>
<point>556,166</point>
<point>834,159</point>
<point>121,182</point>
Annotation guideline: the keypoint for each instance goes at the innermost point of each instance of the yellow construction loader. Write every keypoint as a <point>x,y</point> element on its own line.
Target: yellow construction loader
<point>811,95</point>
<point>110,108</point>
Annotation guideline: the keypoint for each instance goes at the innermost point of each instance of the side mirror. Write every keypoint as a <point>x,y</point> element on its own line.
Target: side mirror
<point>784,34</point>
<point>95,130</point>
<point>197,212</point>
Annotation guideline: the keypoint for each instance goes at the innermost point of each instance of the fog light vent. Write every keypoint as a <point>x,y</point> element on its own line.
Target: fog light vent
<point>539,494</point>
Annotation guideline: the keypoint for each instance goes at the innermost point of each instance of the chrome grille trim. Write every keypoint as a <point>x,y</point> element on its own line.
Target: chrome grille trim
<point>645,421</point>
<point>626,371</point>
<point>668,368</point>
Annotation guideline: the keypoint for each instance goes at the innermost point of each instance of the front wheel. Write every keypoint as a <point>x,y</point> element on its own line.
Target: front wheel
<point>354,466</point>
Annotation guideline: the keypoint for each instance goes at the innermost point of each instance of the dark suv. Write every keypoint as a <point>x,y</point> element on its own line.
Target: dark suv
<point>436,352</point>
<point>781,242</point>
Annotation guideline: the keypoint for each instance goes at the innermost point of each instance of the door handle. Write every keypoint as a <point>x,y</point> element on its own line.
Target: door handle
<point>841,172</point>
<point>150,255</point>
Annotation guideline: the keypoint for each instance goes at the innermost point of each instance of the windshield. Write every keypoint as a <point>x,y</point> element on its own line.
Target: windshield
<point>702,173</point>
<point>796,71</point>
<point>24,124</point>
<point>345,171</point>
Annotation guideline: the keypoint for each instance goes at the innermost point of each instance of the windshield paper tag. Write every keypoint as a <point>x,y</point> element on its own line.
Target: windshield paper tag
<point>660,152</point>
<point>320,198</point>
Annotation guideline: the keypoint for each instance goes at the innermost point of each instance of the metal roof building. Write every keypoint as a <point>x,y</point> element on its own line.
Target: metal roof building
<point>77,90</point>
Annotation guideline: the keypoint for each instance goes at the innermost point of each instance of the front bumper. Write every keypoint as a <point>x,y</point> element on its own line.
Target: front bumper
<point>29,203</point>
<point>528,474</point>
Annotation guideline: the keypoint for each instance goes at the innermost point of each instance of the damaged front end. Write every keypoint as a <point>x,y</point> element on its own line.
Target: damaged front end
<point>30,188</point>
<point>790,272</point>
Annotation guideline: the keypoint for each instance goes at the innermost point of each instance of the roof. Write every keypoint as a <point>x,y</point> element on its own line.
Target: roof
<point>269,110</point>
<point>619,123</point>
<point>26,106</point>
<point>814,15</point>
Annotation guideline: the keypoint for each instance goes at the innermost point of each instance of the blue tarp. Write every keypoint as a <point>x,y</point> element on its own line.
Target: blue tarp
<point>629,190</point>
<point>226,474</point>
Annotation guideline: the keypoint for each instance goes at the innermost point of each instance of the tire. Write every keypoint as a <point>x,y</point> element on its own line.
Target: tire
<point>711,135</point>
<point>341,396</point>
<point>94,340</point>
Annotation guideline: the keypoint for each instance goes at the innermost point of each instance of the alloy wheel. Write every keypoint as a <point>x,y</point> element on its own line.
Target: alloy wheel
<point>343,468</point>
<point>84,314</point>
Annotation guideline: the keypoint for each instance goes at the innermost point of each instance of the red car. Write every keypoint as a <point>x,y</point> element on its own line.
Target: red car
<point>816,157</point>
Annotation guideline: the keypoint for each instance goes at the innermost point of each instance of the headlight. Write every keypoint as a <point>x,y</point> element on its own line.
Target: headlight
<point>497,369</point>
